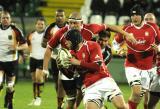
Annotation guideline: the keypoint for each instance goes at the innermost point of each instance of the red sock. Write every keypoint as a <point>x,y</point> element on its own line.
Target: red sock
<point>132,105</point>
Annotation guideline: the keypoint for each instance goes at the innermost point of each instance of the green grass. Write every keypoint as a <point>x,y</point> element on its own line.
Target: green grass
<point>23,96</point>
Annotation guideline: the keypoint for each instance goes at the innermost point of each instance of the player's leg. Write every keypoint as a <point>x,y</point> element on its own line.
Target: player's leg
<point>32,65</point>
<point>39,80</point>
<point>153,99</point>
<point>58,84</point>
<point>61,94</point>
<point>146,98</point>
<point>134,80</point>
<point>71,91</point>
<point>10,69</point>
<point>119,103</point>
<point>79,96</point>
<point>1,81</point>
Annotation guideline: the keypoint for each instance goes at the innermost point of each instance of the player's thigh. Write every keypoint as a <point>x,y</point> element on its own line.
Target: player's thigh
<point>69,87</point>
<point>154,97</point>
<point>91,105</point>
<point>118,101</point>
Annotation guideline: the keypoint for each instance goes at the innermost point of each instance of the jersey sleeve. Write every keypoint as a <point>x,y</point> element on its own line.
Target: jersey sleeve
<point>19,35</point>
<point>53,42</point>
<point>96,28</point>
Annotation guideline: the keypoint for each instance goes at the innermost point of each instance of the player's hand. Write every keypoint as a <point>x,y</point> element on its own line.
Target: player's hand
<point>121,52</point>
<point>129,37</point>
<point>155,47</point>
<point>75,61</point>
<point>46,72</point>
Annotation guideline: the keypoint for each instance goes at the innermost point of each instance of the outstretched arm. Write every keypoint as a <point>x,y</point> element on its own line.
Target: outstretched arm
<point>127,36</point>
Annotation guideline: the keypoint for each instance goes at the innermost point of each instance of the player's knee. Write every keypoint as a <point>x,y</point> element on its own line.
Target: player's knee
<point>122,106</point>
<point>10,87</point>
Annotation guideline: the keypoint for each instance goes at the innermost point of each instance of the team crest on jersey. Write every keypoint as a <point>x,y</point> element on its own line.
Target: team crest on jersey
<point>10,37</point>
<point>146,33</point>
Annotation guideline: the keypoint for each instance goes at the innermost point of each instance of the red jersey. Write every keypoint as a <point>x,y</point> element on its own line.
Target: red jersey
<point>140,55</point>
<point>87,32</point>
<point>92,66</point>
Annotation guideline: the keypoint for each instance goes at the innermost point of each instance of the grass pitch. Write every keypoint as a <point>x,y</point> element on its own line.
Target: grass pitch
<point>24,95</point>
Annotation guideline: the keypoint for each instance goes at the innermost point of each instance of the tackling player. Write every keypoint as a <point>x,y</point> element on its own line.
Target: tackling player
<point>139,59</point>
<point>87,30</point>
<point>97,82</point>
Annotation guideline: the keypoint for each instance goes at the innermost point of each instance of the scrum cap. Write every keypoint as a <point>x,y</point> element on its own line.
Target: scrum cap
<point>136,10</point>
<point>75,37</point>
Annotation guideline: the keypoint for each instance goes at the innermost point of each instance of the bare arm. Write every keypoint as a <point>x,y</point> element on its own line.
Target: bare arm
<point>117,29</point>
<point>47,57</point>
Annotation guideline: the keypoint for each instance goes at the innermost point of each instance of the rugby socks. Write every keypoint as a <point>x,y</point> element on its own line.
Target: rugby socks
<point>132,105</point>
<point>34,90</point>
<point>9,100</point>
<point>40,87</point>
<point>60,102</point>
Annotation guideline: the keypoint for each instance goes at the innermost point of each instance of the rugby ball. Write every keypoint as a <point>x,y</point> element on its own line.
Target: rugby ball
<point>62,58</point>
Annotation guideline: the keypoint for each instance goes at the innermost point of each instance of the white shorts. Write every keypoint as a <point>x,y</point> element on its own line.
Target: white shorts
<point>139,77</point>
<point>155,84</point>
<point>104,89</point>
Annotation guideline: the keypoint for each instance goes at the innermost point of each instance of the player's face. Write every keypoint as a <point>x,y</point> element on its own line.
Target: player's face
<point>73,24</point>
<point>136,19</point>
<point>150,18</point>
<point>40,26</point>
<point>60,17</point>
<point>5,19</point>
<point>103,41</point>
<point>68,44</point>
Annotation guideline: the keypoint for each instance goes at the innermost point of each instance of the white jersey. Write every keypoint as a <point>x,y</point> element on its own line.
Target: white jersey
<point>9,40</point>
<point>35,40</point>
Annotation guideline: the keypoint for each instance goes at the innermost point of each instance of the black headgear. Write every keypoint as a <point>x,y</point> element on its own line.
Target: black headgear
<point>75,37</point>
<point>137,10</point>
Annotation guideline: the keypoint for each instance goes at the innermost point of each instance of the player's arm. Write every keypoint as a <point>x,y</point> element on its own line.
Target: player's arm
<point>47,36</point>
<point>127,35</point>
<point>22,44</point>
<point>95,56</point>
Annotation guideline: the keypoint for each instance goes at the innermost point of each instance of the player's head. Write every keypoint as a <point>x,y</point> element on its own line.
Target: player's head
<point>74,38</point>
<point>103,38</point>
<point>40,24</point>
<point>150,17</point>
<point>137,14</point>
<point>60,16</point>
<point>5,18</point>
<point>75,21</point>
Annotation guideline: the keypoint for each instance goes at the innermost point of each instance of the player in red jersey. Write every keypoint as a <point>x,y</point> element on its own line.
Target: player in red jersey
<point>11,41</point>
<point>50,31</point>
<point>139,59</point>
<point>87,31</point>
<point>97,82</point>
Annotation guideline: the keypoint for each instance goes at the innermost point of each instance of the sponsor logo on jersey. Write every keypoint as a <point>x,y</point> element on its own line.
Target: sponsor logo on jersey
<point>146,33</point>
<point>10,37</point>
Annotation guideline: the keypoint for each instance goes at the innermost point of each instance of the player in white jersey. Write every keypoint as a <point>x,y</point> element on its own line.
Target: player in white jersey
<point>11,41</point>
<point>34,40</point>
